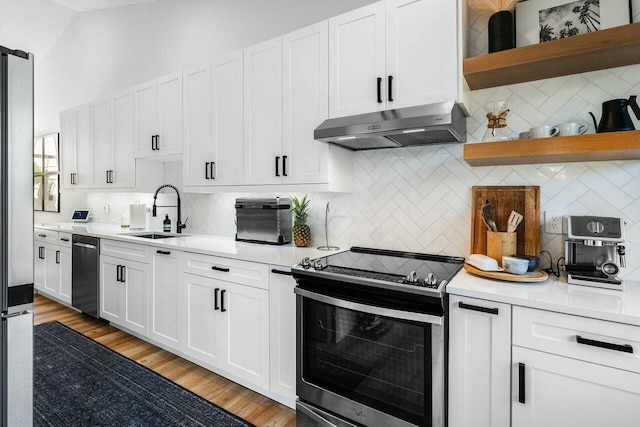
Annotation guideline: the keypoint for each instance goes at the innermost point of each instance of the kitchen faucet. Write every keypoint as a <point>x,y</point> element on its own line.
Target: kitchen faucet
<point>179,225</point>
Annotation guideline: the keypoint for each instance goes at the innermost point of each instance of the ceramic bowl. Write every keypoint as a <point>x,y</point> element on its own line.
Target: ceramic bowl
<point>533,261</point>
<point>515,265</point>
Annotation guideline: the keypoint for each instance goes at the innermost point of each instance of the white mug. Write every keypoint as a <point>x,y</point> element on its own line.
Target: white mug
<point>543,131</point>
<point>567,129</point>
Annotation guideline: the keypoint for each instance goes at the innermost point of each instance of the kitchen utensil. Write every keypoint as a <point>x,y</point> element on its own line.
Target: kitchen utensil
<point>573,128</point>
<point>533,277</point>
<point>487,216</point>
<point>514,221</point>
<point>533,261</point>
<point>543,131</point>
<point>484,262</point>
<point>500,243</point>
<point>515,265</point>
<point>615,115</point>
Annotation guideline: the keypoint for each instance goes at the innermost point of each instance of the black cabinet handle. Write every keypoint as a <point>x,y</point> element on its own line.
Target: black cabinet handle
<point>118,274</point>
<point>223,269</point>
<point>163,252</point>
<point>158,142</point>
<point>625,348</point>
<point>215,299</point>
<point>153,142</point>
<point>57,257</point>
<point>477,308</point>
<point>110,176</point>
<point>73,179</point>
<point>277,165</point>
<point>206,170</point>
<point>42,235</point>
<point>41,252</point>
<point>379,90</point>
<point>284,165</point>
<point>521,377</point>
<point>123,275</point>
<point>284,273</point>
<point>390,88</point>
<point>222,309</point>
<point>64,239</point>
<point>213,175</point>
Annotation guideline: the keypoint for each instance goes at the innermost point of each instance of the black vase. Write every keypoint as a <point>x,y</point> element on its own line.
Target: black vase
<point>502,34</point>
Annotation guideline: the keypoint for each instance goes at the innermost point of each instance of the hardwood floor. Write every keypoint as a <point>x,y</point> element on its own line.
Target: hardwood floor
<point>236,399</point>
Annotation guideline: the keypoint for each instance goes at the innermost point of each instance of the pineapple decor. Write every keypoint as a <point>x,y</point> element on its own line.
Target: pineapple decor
<point>301,231</point>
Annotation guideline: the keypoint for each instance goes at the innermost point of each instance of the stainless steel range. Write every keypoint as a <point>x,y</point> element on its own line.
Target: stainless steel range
<point>371,338</point>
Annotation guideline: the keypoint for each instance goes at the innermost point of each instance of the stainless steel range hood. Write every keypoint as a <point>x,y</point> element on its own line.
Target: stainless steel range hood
<point>440,123</point>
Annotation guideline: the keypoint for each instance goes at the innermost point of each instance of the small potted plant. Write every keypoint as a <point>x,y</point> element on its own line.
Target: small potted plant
<point>301,231</point>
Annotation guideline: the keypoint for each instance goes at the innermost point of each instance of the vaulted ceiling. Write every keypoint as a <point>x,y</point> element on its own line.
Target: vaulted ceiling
<point>87,5</point>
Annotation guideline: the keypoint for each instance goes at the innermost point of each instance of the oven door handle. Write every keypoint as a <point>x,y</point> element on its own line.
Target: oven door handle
<point>380,311</point>
<point>312,414</point>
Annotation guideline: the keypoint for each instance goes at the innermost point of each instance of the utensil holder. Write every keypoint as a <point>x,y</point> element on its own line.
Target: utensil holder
<point>501,243</point>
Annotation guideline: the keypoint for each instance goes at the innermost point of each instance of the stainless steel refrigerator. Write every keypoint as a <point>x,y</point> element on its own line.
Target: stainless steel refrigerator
<point>16,238</point>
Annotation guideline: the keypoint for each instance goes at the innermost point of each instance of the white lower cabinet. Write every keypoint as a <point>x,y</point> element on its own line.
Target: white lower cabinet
<point>164,308</point>
<point>52,267</point>
<point>124,292</point>
<point>552,390</point>
<point>282,314</point>
<point>479,363</point>
<point>200,307</point>
<point>38,266</point>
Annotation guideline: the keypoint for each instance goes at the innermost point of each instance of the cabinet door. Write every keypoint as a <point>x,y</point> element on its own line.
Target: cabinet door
<point>111,297</point>
<point>123,163</point>
<point>65,274</point>
<point>197,126</point>
<point>263,113</point>
<point>170,114</point>
<point>38,266</point>
<point>357,61</point>
<point>479,363</point>
<point>228,120</point>
<point>67,148</point>
<point>202,317</point>
<point>165,319</point>
<point>305,104</point>
<point>84,151</point>
<point>422,52</point>
<point>245,333</point>
<point>282,324</point>
<point>136,300</point>
<point>145,118</point>
<point>560,391</point>
<point>51,270</point>
<point>101,142</point>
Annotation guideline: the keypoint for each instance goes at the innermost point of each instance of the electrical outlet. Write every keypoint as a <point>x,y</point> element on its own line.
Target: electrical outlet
<point>552,222</point>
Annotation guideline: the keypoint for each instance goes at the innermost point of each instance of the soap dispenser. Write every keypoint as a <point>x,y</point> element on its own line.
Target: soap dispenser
<point>166,224</point>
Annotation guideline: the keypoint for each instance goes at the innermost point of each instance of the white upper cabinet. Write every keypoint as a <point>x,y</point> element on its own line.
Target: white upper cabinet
<point>357,61</point>
<point>123,163</point>
<point>158,116</point>
<point>263,113</point>
<point>305,104</point>
<point>101,141</point>
<point>67,148</point>
<point>75,147</point>
<point>394,54</point>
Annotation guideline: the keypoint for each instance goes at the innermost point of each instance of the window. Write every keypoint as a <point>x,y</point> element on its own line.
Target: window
<point>46,173</point>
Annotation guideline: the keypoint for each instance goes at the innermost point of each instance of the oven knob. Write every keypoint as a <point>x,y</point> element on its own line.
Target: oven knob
<point>317,264</point>
<point>305,262</point>
<point>412,277</point>
<point>431,280</point>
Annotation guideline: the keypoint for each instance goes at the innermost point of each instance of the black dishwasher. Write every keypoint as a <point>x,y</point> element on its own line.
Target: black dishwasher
<point>85,274</point>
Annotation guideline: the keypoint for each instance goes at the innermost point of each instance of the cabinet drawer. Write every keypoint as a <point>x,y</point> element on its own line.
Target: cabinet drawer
<point>64,239</point>
<point>598,341</point>
<point>46,236</point>
<point>128,251</point>
<point>230,270</point>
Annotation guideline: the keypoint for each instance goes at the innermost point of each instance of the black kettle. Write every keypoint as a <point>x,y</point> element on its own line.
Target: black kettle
<point>615,115</point>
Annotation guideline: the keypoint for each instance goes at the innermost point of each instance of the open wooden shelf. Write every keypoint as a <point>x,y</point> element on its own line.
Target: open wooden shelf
<point>581,148</point>
<point>613,47</point>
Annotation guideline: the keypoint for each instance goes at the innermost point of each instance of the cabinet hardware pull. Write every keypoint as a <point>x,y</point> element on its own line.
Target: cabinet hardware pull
<point>206,170</point>
<point>390,89</point>
<point>73,179</point>
<point>153,142</point>
<point>118,273</point>
<point>379,90</point>
<point>57,257</point>
<point>477,308</point>
<point>625,348</point>
<point>107,179</point>
<point>215,299</point>
<point>64,239</point>
<point>213,170</point>
<point>124,274</point>
<point>158,142</point>
<point>284,165</point>
<point>284,273</point>
<point>222,309</point>
<point>163,252</point>
<point>277,165</point>
<point>40,252</point>
<point>223,269</point>
<point>110,176</point>
<point>521,379</point>
<point>42,235</point>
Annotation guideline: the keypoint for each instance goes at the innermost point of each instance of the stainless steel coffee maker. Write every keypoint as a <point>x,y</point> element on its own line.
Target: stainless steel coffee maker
<point>594,252</point>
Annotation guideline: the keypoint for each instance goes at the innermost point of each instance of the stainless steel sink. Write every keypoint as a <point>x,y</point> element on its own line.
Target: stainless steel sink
<point>156,235</point>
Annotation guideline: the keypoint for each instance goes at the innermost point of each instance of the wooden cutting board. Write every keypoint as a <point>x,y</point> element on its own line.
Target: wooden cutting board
<point>529,277</point>
<point>504,199</point>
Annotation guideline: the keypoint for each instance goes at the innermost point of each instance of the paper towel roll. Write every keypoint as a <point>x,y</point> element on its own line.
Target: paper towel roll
<point>138,215</point>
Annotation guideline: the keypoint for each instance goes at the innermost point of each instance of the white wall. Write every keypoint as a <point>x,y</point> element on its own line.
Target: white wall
<point>112,49</point>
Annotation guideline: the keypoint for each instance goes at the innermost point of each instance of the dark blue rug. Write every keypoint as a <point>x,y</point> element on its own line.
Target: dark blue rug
<point>79,382</point>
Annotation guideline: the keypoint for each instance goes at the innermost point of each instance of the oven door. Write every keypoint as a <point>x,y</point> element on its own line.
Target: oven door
<point>371,365</point>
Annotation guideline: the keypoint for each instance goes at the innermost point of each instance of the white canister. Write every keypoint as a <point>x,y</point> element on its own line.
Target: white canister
<point>138,215</point>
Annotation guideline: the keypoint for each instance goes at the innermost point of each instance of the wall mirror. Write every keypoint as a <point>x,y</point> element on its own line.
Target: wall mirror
<point>46,173</point>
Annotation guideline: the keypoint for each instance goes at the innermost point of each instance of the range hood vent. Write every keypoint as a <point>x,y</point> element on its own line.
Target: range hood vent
<point>440,123</point>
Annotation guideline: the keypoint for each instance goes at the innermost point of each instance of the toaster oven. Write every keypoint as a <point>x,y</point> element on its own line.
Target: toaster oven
<point>264,220</point>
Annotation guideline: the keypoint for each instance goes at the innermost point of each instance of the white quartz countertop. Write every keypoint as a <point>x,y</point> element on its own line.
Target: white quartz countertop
<point>555,295</point>
<point>280,255</point>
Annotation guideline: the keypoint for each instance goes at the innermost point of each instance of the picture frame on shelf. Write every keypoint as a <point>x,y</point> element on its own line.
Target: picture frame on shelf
<point>539,21</point>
